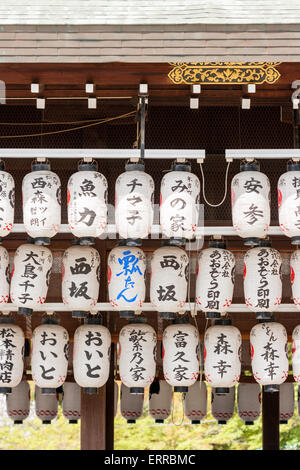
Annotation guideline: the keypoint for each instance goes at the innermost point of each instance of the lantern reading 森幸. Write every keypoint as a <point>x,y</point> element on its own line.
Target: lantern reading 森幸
<point>126,279</point>
<point>12,342</point>
<point>71,402</point>
<point>262,281</point>
<point>41,191</point>
<point>30,277</point>
<point>269,355</point>
<point>286,402</point>
<point>249,402</point>
<point>80,279</point>
<point>195,402</point>
<point>222,355</point>
<point>160,400</point>
<point>18,402</point>
<point>46,406</point>
<point>87,203</point>
<point>215,279</point>
<point>131,405</point>
<point>250,200</point>
<point>288,202</point>
<point>7,202</point>
<point>222,406</point>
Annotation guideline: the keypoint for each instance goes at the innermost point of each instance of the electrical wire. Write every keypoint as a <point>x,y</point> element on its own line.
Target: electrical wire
<point>225,189</point>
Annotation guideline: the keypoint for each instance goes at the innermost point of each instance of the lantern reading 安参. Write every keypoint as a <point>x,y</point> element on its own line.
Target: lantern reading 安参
<point>249,402</point>
<point>12,343</point>
<point>288,202</point>
<point>160,400</point>
<point>46,406</point>
<point>131,405</point>
<point>222,406</point>
<point>71,402</point>
<point>7,202</point>
<point>18,402</point>
<point>195,402</point>
<point>286,402</point>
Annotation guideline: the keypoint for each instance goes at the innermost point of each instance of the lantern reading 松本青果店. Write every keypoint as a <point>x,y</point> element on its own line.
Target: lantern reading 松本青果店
<point>12,343</point>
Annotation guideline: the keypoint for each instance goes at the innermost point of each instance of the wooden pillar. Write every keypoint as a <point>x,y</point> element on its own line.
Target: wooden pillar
<point>110,402</point>
<point>270,420</point>
<point>93,420</point>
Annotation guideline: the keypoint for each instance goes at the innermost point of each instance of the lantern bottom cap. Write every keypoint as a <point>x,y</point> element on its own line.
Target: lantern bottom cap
<point>263,315</point>
<point>6,390</point>
<point>90,390</point>
<point>41,241</point>
<point>249,423</point>
<point>222,390</point>
<point>25,311</point>
<point>271,388</point>
<point>86,241</point>
<point>136,390</point>
<point>222,422</point>
<point>283,421</point>
<point>73,421</point>
<point>251,241</point>
<point>79,314</point>
<point>46,422</point>
<point>212,315</point>
<point>127,314</point>
<point>196,421</point>
<point>18,421</point>
<point>130,242</point>
<point>159,421</point>
<point>167,315</point>
<point>181,389</point>
<point>131,421</point>
<point>295,240</point>
<point>48,391</point>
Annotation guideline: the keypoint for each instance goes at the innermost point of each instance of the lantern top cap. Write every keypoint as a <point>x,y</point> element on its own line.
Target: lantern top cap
<point>6,320</point>
<point>2,165</point>
<point>174,242</point>
<point>217,244</point>
<point>137,319</point>
<point>223,321</point>
<point>130,242</point>
<point>49,320</point>
<point>135,166</point>
<point>40,165</point>
<point>93,320</point>
<point>181,320</point>
<point>87,166</point>
<point>264,242</point>
<point>250,165</point>
<point>180,166</point>
<point>293,166</point>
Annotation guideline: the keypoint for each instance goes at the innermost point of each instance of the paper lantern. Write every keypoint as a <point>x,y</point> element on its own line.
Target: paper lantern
<point>215,280</point>
<point>71,402</point>
<point>250,200</point>
<point>195,402</point>
<point>249,402</point>
<point>160,400</point>
<point>7,202</point>
<point>134,193</point>
<point>179,202</point>
<point>41,191</point>
<point>288,202</point>
<point>116,398</point>
<point>296,353</point>
<point>169,280</point>
<point>12,343</point>
<point>80,279</point>
<point>269,354</point>
<point>137,355</point>
<point>4,275</point>
<point>18,402</point>
<point>46,406</point>
<point>126,279</point>
<point>131,405</point>
<point>295,277</point>
<point>181,355</point>
<point>222,355</point>
<point>286,402</point>
<point>222,406</point>
<point>30,277</point>
<point>87,199</point>
<point>262,281</point>
<point>91,355</point>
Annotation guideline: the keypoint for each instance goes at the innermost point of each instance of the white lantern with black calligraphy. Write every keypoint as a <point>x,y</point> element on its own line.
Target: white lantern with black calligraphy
<point>181,354</point>
<point>222,355</point>
<point>296,353</point>
<point>215,279</point>
<point>12,342</point>
<point>116,398</point>
<point>71,402</point>
<point>134,193</point>
<point>289,202</point>
<point>169,280</point>
<point>91,355</point>
<point>41,191</point>
<point>269,353</point>
<point>222,406</point>
<point>7,202</point>
<point>87,199</point>
<point>18,402</point>
<point>160,400</point>
<point>30,277</point>
<point>250,200</point>
<point>179,202</point>
<point>137,355</point>
<point>295,277</point>
<point>286,402</point>
<point>262,281</point>
<point>131,405</point>
<point>4,275</point>
<point>80,279</point>
<point>49,356</point>
<point>195,402</point>
<point>249,402</point>
<point>46,406</point>
<point>126,279</point>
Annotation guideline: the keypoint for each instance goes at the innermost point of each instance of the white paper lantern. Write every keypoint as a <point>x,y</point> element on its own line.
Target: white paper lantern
<point>4,275</point>
<point>160,400</point>
<point>137,355</point>
<point>296,353</point>
<point>250,200</point>
<point>249,402</point>
<point>179,202</point>
<point>46,406</point>
<point>195,402</point>
<point>18,402</point>
<point>288,202</point>
<point>30,277</point>
<point>286,402</point>
<point>12,343</point>
<point>269,354</point>
<point>131,405</point>
<point>87,199</point>
<point>71,402</point>
<point>91,356</point>
<point>116,398</point>
<point>295,277</point>
<point>7,202</point>
<point>41,191</point>
<point>222,406</point>
<point>80,279</point>
<point>49,356</point>
<point>169,280</point>
<point>215,281</point>
<point>126,279</point>
<point>222,355</point>
<point>181,355</point>
<point>262,281</point>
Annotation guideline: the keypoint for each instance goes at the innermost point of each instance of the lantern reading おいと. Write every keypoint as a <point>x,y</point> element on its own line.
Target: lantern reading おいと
<point>131,405</point>
<point>46,406</point>
<point>18,402</point>
<point>71,402</point>
<point>195,402</point>
<point>286,402</point>
<point>160,400</point>
<point>288,202</point>
<point>222,406</point>
<point>249,402</point>
<point>12,342</point>
<point>7,202</point>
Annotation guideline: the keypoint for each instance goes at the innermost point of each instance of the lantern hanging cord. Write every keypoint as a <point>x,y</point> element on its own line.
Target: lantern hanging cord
<point>225,189</point>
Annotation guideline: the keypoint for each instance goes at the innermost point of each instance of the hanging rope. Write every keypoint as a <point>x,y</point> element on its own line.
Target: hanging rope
<point>225,184</point>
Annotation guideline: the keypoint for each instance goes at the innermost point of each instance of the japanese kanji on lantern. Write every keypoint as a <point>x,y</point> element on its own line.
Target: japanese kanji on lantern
<point>288,202</point>
<point>262,280</point>
<point>249,402</point>
<point>296,353</point>
<point>169,280</point>
<point>286,402</point>
<point>131,405</point>
<point>195,402</point>
<point>295,277</point>
<point>4,275</point>
<point>87,203</point>
<point>91,355</point>
<point>46,406</point>
<point>179,202</point>
<point>134,194</point>
<point>18,402</point>
<point>71,402</point>
<point>80,279</point>
<point>126,279</point>
<point>222,355</point>
<point>7,201</point>
<point>215,279</point>
<point>49,355</point>
<point>160,400</point>
<point>41,192</point>
<point>181,354</point>
<point>137,355</point>
<point>12,343</point>
<point>250,201</point>
<point>222,406</point>
<point>30,277</point>
<point>269,354</point>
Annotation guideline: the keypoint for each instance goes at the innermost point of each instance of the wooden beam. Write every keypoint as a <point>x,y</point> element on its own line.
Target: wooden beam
<point>270,421</point>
